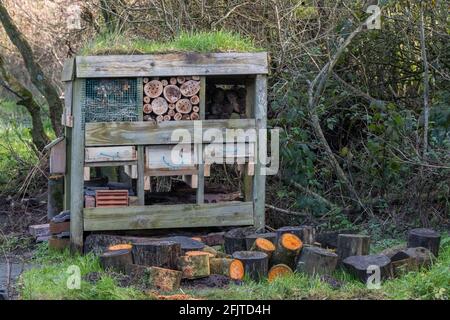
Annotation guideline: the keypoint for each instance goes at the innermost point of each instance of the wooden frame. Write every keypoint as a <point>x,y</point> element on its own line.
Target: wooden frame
<point>251,68</point>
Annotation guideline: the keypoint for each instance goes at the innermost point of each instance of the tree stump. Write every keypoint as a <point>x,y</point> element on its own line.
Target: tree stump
<point>288,247</point>
<point>422,256</point>
<point>255,263</point>
<point>235,239</point>
<point>279,270</point>
<point>162,254</point>
<point>362,266</point>
<point>315,260</point>
<point>352,245</point>
<point>263,245</point>
<point>305,233</point>
<point>186,243</point>
<point>426,238</point>
<point>232,268</point>
<point>194,266</point>
<point>116,260</point>
<point>164,279</point>
<point>250,239</point>
<point>329,239</point>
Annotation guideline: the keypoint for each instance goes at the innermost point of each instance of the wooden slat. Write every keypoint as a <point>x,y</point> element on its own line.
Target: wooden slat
<point>68,72</point>
<point>259,180</point>
<point>199,147</point>
<point>169,216</point>
<point>181,64</point>
<point>145,132</point>
<point>77,171</point>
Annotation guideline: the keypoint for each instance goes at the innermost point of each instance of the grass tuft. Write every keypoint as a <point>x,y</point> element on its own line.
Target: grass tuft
<point>218,41</point>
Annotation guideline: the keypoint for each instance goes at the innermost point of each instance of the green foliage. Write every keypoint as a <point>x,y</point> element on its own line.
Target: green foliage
<point>218,41</point>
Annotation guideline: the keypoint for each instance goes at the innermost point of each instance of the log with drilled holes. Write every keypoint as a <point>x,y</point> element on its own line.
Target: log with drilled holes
<point>162,254</point>
<point>232,268</point>
<point>279,270</point>
<point>255,263</point>
<point>288,247</point>
<point>153,88</point>
<point>195,265</point>
<point>116,260</point>
<point>164,279</point>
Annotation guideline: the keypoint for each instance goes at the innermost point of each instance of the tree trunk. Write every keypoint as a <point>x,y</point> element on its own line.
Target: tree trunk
<point>288,248</point>
<point>352,245</point>
<point>194,266</point>
<point>364,266</point>
<point>164,279</point>
<point>162,254</point>
<point>315,260</point>
<point>116,260</point>
<point>250,239</point>
<point>38,135</point>
<point>426,238</point>
<point>37,76</point>
<point>232,268</point>
<point>263,245</point>
<point>255,263</point>
<point>279,270</point>
<point>306,233</point>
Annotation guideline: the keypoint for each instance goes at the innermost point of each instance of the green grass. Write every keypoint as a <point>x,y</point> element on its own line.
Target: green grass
<point>218,41</point>
<point>49,282</point>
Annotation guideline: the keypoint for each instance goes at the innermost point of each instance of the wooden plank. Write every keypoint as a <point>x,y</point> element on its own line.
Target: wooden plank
<point>57,161</point>
<point>259,180</point>
<point>110,164</point>
<point>108,154</point>
<point>247,183</point>
<point>68,135</point>
<point>233,213</point>
<point>68,71</point>
<point>164,157</point>
<point>144,132</point>
<point>77,171</point>
<point>181,64</point>
<point>140,183</point>
<point>199,147</point>
<point>67,119</point>
<point>87,173</point>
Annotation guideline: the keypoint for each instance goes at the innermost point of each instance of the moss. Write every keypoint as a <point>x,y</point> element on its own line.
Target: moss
<point>219,41</point>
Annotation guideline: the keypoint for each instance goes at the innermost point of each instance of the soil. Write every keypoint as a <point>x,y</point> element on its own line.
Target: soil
<point>213,281</point>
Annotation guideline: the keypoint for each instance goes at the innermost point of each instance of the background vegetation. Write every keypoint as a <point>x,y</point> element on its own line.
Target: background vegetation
<point>365,143</point>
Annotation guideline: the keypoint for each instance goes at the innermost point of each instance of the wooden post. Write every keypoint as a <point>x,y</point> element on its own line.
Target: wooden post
<point>68,98</point>
<point>247,183</point>
<point>199,149</point>
<point>77,169</point>
<point>259,180</point>
<point>140,185</point>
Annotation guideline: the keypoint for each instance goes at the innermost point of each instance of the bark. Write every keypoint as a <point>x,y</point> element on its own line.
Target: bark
<point>38,134</point>
<point>37,76</point>
<point>426,85</point>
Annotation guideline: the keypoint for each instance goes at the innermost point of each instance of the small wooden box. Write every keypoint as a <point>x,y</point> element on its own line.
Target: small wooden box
<point>164,160</point>
<point>106,154</point>
<point>111,198</point>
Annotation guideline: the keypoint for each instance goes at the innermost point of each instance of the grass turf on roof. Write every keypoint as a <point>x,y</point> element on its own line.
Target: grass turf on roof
<point>219,41</point>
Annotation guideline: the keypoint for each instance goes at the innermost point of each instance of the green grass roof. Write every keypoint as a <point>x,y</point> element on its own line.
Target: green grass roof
<point>219,41</point>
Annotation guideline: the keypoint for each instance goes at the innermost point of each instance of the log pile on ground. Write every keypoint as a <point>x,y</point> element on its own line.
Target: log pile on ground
<point>166,263</point>
<point>173,98</point>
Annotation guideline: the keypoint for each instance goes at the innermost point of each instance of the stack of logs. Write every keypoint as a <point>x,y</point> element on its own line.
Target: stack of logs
<point>270,255</point>
<point>174,98</point>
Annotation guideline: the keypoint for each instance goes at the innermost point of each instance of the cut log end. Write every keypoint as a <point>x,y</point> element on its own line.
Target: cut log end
<point>279,270</point>
<point>237,270</point>
<point>291,242</point>
<point>120,247</point>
